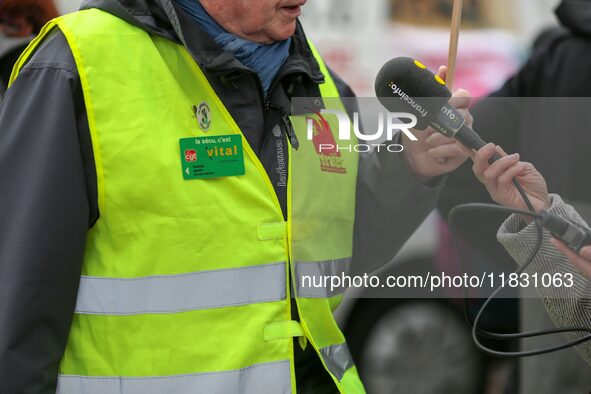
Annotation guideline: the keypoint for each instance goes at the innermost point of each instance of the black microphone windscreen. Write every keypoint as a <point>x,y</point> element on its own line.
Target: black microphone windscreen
<point>405,85</point>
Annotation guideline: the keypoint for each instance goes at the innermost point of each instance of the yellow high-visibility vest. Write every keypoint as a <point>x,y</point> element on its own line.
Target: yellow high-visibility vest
<point>185,283</point>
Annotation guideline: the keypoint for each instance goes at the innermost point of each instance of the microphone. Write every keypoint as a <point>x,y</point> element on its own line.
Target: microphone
<point>406,85</point>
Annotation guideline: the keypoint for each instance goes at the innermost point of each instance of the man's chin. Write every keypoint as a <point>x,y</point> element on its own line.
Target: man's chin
<point>283,33</point>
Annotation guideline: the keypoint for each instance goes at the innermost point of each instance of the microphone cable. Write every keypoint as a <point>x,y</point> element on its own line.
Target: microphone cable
<point>474,323</point>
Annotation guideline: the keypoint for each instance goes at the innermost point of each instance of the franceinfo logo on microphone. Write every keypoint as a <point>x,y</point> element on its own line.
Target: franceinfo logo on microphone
<point>405,97</point>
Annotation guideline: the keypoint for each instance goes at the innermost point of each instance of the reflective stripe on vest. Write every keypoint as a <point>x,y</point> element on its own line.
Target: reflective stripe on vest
<point>181,293</point>
<point>338,359</point>
<point>271,378</point>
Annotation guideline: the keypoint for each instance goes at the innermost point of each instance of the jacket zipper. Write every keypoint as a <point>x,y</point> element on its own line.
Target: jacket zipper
<point>286,125</point>
<point>289,131</point>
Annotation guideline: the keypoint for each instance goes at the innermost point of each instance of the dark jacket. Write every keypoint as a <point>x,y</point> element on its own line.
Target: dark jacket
<point>525,116</point>
<point>48,197</point>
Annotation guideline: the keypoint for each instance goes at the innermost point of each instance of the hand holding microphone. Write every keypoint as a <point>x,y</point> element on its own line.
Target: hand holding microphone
<point>406,85</point>
<point>498,179</point>
<point>434,154</point>
<point>570,239</point>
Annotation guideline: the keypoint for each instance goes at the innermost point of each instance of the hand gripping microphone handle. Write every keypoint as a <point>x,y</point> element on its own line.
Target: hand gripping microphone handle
<point>452,124</point>
<point>470,139</point>
<point>406,85</point>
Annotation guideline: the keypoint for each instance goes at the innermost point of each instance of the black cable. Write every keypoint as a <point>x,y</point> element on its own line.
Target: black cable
<point>527,202</point>
<point>476,331</point>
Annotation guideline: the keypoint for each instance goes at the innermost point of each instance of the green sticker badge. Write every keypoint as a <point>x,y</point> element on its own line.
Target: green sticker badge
<point>212,157</point>
<point>203,114</point>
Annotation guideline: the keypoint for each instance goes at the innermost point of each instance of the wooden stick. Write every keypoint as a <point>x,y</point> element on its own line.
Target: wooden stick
<point>456,23</point>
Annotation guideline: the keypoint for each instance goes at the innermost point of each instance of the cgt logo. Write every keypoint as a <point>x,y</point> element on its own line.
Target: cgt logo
<point>190,155</point>
<point>389,125</point>
<point>331,159</point>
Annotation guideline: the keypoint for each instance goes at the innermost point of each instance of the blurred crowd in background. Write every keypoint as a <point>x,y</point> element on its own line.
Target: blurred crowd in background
<point>357,37</point>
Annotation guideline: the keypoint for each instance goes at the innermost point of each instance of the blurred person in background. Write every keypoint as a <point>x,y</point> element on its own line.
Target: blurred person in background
<point>551,134</point>
<point>20,21</point>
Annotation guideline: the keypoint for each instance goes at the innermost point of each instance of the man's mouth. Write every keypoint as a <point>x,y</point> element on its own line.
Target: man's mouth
<point>294,9</point>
